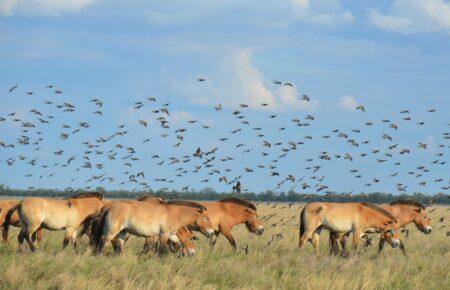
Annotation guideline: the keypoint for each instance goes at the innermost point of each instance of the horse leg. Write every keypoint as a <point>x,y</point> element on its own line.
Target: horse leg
<point>67,237</point>
<point>403,249</point>
<point>20,239</point>
<point>344,240</point>
<point>104,240</point>
<point>230,238</point>
<point>315,240</point>
<point>39,235</point>
<point>214,239</point>
<point>164,238</point>
<point>307,235</point>
<point>110,231</point>
<point>119,242</point>
<point>150,242</point>
<point>356,238</point>
<point>74,239</point>
<point>115,245</point>
<point>30,242</point>
<point>381,244</point>
<point>333,243</point>
<point>26,233</point>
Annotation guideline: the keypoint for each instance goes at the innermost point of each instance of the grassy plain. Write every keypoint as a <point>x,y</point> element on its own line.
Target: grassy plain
<point>274,265</point>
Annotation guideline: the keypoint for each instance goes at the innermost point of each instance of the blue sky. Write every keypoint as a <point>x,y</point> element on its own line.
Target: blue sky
<point>386,55</point>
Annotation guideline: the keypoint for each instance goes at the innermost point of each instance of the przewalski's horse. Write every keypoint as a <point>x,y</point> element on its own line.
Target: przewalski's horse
<point>405,211</point>
<point>184,245</point>
<point>57,214</point>
<point>9,216</point>
<point>149,218</point>
<point>228,212</point>
<point>343,218</point>
<point>184,234</point>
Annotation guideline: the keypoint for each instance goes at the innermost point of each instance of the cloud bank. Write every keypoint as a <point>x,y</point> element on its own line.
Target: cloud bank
<point>413,16</point>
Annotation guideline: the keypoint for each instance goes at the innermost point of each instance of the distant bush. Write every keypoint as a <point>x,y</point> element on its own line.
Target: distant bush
<point>211,194</point>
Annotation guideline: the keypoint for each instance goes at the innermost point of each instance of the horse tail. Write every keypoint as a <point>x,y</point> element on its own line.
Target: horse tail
<point>97,233</point>
<point>302,221</point>
<point>7,221</point>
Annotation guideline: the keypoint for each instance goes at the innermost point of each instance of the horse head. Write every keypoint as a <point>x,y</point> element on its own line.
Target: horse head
<point>391,236</point>
<point>422,221</point>
<point>203,223</point>
<point>186,238</point>
<point>390,232</point>
<point>253,223</point>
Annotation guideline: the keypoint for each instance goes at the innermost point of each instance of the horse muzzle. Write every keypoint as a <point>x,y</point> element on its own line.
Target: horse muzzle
<point>426,230</point>
<point>191,252</point>
<point>209,233</point>
<point>259,231</point>
<point>395,243</point>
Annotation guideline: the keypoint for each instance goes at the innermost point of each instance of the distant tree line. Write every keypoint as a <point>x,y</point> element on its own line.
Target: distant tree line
<point>211,194</point>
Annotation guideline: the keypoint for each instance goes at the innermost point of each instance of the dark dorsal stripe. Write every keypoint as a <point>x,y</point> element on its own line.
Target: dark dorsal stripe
<point>147,197</point>
<point>408,202</point>
<point>240,202</point>
<point>186,203</point>
<point>378,209</point>
<point>87,195</point>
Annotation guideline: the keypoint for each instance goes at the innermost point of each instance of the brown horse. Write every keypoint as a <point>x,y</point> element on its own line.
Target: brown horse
<point>149,218</point>
<point>9,215</point>
<point>5,206</point>
<point>90,226</point>
<point>405,211</point>
<point>343,218</point>
<point>56,214</point>
<point>185,245</point>
<point>227,213</point>
<point>183,242</point>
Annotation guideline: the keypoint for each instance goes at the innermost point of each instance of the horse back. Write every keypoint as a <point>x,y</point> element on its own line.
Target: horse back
<point>217,212</point>
<point>137,217</point>
<point>339,217</point>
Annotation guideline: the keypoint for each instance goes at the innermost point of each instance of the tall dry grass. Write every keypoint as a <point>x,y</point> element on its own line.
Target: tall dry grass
<point>278,265</point>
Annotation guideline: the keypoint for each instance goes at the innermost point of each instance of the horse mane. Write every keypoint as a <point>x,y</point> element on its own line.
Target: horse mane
<point>240,202</point>
<point>378,209</point>
<point>408,202</point>
<point>186,203</point>
<point>147,197</point>
<point>87,195</point>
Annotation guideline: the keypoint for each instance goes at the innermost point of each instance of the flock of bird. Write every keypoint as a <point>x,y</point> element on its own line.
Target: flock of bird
<point>94,156</point>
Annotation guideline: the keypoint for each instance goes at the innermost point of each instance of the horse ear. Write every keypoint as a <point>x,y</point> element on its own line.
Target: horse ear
<point>249,210</point>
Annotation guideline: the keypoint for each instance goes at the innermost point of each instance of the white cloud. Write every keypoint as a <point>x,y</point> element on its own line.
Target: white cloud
<point>7,7</point>
<point>347,103</point>
<point>290,97</point>
<point>249,81</point>
<point>323,12</point>
<point>264,13</point>
<point>238,81</point>
<point>413,16</point>
<point>301,4</point>
<point>42,7</point>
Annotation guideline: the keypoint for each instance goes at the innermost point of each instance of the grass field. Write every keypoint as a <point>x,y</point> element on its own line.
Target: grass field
<point>278,265</point>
